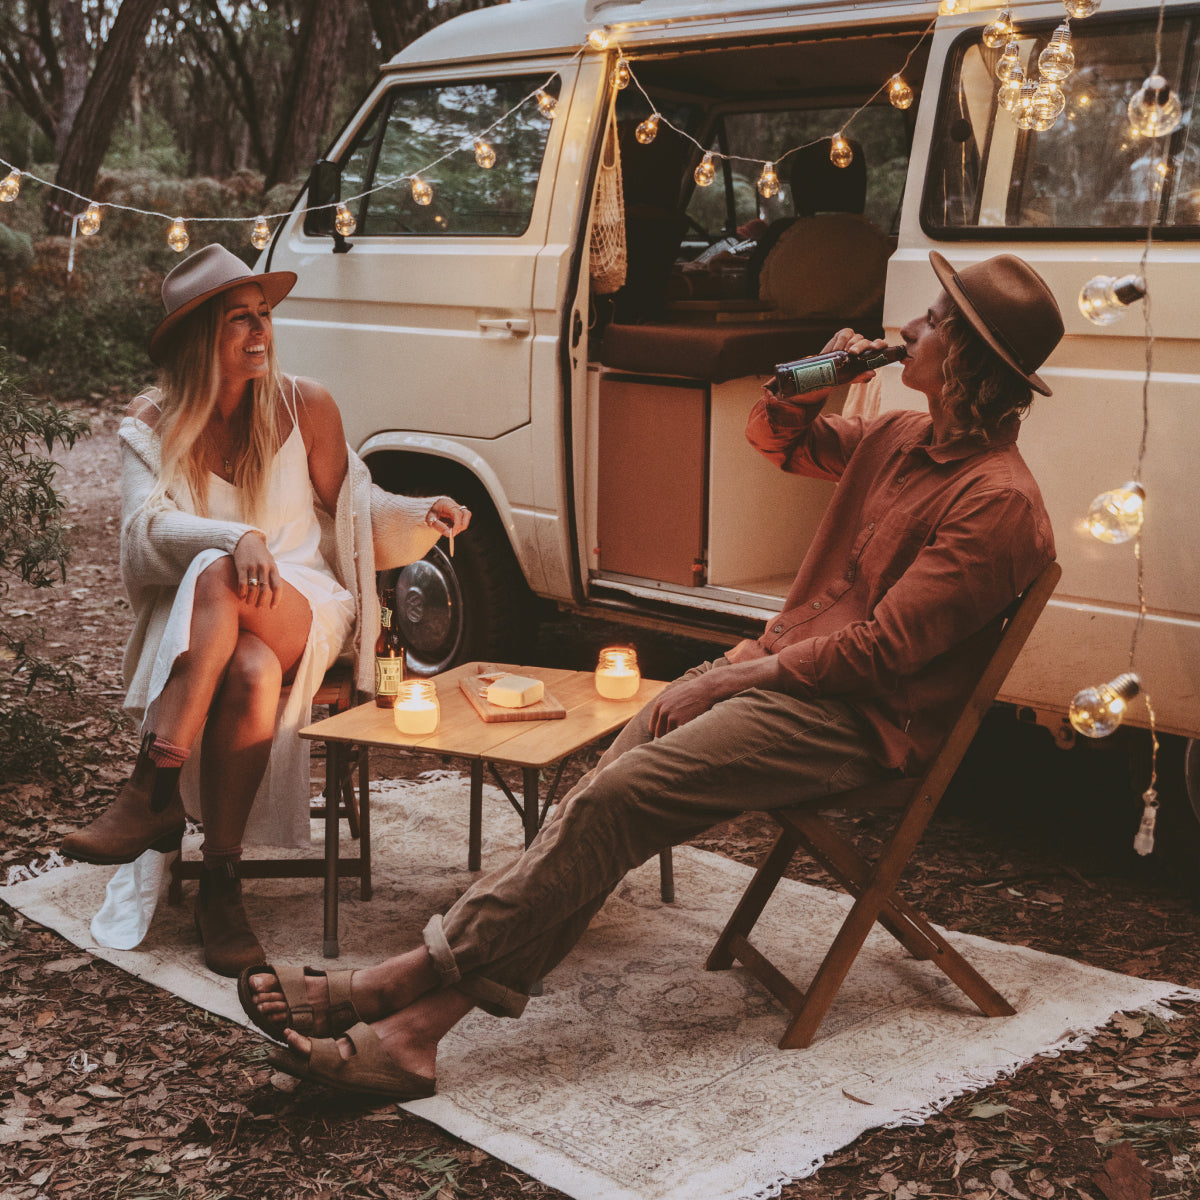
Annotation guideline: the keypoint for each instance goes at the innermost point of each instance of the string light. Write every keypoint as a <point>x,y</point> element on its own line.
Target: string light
<point>547,105</point>
<point>1047,105</point>
<point>1115,517</point>
<point>948,8</point>
<point>89,221</point>
<point>260,235</point>
<point>1105,299</point>
<point>900,95</point>
<point>177,236</point>
<point>840,153</point>
<point>1080,8</point>
<point>1022,113</point>
<point>705,171</point>
<point>1097,711</point>
<point>599,39</point>
<point>343,221</point>
<point>1057,61</point>
<point>1155,110</point>
<point>10,186</point>
<point>768,182</point>
<point>422,193</point>
<point>999,32</point>
<point>485,156</point>
<point>647,131</point>
<point>621,74</point>
<point>1010,91</point>
<point>1009,63</point>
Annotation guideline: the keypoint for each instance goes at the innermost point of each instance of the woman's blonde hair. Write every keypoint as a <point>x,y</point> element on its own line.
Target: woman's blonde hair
<point>189,381</point>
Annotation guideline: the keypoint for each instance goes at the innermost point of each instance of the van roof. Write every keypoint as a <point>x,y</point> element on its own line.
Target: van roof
<point>525,28</point>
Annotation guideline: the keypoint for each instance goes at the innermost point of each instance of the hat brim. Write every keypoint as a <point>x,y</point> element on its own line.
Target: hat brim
<point>948,278</point>
<point>275,286</point>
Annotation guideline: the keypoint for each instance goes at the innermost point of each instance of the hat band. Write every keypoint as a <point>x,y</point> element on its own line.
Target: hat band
<point>1005,344</point>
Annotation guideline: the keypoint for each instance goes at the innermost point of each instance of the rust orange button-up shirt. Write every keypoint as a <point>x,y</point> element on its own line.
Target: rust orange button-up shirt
<point>898,602</point>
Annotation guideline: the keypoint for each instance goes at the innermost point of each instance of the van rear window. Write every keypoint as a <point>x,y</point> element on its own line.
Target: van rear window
<point>1090,176</point>
<point>431,129</point>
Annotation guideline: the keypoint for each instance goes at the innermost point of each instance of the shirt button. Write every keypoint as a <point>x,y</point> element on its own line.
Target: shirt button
<point>816,604</point>
<point>901,478</point>
<point>777,629</point>
<point>871,526</point>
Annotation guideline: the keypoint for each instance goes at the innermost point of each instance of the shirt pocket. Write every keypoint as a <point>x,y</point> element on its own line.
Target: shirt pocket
<point>890,549</point>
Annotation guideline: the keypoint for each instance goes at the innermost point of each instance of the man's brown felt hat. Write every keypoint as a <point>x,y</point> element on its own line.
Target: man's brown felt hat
<point>200,277</point>
<point>1010,306</point>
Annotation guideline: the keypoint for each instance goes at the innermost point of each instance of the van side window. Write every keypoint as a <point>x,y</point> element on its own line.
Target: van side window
<point>1089,176</point>
<point>430,130</point>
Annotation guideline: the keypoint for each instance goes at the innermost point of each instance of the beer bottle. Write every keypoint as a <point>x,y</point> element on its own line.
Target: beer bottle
<point>389,652</point>
<point>826,370</point>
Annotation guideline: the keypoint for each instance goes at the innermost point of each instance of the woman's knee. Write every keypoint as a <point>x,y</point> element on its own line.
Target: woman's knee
<point>254,674</point>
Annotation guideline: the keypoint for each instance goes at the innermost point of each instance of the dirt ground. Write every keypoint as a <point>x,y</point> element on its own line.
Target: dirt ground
<point>111,1088</point>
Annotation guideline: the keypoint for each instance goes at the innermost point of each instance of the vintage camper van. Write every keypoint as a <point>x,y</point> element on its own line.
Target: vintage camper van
<point>477,347</point>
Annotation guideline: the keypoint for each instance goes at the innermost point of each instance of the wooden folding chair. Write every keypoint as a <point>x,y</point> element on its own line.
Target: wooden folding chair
<point>873,884</point>
<point>340,799</point>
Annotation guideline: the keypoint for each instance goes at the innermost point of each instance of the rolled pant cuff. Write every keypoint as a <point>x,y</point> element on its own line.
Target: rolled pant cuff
<point>492,997</point>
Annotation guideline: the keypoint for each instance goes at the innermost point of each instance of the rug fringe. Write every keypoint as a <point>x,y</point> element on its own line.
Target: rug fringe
<point>18,873</point>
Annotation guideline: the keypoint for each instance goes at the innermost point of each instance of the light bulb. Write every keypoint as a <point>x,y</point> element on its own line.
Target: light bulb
<point>1080,8</point>
<point>1115,517</point>
<point>177,236</point>
<point>900,95</point>
<point>260,235</point>
<point>1057,61</point>
<point>647,131</point>
<point>840,153</point>
<point>1097,711</point>
<point>485,156</point>
<point>10,186</point>
<point>1155,110</point>
<point>89,222</point>
<point>705,172</point>
<point>422,193</point>
<point>1010,62</point>
<point>999,31</point>
<point>947,8</point>
<point>343,221</point>
<point>768,182</point>
<point>599,39</point>
<point>1022,114</point>
<point>1105,298</point>
<point>1009,92</point>
<point>621,74</point>
<point>547,104</point>
<point>1048,104</point>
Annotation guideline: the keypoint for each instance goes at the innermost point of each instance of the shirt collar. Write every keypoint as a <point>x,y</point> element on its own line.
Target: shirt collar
<point>959,448</point>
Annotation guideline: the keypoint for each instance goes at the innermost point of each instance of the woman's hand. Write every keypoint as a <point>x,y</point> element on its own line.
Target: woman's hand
<point>258,579</point>
<point>447,517</point>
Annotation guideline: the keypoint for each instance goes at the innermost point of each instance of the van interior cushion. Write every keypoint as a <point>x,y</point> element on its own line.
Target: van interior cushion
<point>717,352</point>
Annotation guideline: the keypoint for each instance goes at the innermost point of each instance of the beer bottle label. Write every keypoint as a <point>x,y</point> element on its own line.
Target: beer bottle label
<point>389,673</point>
<point>385,617</point>
<point>808,376</point>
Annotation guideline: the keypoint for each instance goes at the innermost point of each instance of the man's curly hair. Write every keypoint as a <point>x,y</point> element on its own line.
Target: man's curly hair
<point>981,390</point>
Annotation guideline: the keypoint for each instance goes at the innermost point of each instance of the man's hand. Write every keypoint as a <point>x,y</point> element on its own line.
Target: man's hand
<point>686,700</point>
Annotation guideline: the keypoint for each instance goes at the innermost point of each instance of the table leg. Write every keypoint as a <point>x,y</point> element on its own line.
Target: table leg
<point>333,774</point>
<point>364,823</point>
<point>475,834</point>
<point>530,777</point>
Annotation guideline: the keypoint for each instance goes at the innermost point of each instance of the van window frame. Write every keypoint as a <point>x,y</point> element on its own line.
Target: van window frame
<point>1067,233</point>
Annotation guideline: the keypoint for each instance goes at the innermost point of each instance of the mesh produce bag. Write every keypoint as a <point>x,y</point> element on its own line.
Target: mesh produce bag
<point>607,250</point>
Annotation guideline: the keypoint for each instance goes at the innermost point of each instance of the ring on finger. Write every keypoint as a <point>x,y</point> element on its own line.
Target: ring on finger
<point>252,582</point>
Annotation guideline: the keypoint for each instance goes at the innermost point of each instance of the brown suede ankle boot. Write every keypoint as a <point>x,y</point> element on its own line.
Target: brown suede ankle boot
<point>147,814</point>
<point>229,943</point>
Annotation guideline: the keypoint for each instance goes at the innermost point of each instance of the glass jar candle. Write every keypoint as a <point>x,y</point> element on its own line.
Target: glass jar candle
<point>617,674</point>
<point>416,709</point>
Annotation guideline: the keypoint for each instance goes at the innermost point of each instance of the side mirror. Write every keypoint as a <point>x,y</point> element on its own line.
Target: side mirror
<point>324,191</point>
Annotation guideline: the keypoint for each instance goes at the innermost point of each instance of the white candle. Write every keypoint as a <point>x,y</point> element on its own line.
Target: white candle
<point>617,674</point>
<point>416,709</point>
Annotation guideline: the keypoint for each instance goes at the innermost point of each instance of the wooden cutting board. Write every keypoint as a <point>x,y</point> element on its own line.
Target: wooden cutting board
<point>475,687</point>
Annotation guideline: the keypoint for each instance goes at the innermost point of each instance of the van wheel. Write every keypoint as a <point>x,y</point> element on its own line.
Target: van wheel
<point>465,608</point>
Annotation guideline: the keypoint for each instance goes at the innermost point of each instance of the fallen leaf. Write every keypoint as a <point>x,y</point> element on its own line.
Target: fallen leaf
<point>1124,1176</point>
<point>1004,1181</point>
<point>1128,1026</point>
<point>986,1109</point>
<point>68,964</point>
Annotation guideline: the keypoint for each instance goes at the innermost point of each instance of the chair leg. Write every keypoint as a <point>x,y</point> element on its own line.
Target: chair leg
<point>334,757</point>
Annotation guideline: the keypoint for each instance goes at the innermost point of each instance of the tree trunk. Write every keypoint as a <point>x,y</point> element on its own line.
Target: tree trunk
<point>316,74</point>
<point>92,129</point>
<point>75,59</point>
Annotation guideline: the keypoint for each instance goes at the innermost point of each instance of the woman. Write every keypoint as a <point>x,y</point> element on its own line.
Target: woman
<point>250,536</point>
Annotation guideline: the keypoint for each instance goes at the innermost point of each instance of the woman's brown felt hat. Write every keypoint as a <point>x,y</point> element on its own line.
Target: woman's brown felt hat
<point>200,277</point>
<point>1010,307</point>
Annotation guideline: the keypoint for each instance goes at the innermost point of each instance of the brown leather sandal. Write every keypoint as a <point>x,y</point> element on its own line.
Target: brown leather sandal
<point>338,1013</point>
<point>369,1071</point>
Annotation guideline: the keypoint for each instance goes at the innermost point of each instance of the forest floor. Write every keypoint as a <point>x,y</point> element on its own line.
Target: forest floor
<point>1032,846</point>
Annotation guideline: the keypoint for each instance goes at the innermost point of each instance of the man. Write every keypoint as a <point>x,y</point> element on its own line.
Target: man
<point>935,527</point>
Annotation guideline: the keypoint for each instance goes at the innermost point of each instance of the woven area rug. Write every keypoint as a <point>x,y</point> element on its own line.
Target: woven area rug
<point>637,1075</point>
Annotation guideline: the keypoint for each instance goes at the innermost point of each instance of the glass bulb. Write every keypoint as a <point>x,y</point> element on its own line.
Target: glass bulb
<point>705,172</point>
<point>1097,711</point>
<point>840,153</point>
<point>1115,517</point>
<point>1048,104</point>
<point>343,221</point>
<point>485,156</point>
<point>422,193</point>
<point>647,131</point>
<point>999,31</point>
<point>260,235</point>
<point>1010,62</point>
<point>1105,298</point>
<point>599,39</point>
<point>1155,111</point>
<point>1080,8</point>
<point>621,74</point>
<point>768,182</point>
<point>900,95</point>
<point>1009,92</point>
<point>89,222</point>
<point>1022,114</point>
<point>177,236</point>
<point>547,104</point>
<point>947,8</point>
<point>1057,61</point>
<point>10,186</point>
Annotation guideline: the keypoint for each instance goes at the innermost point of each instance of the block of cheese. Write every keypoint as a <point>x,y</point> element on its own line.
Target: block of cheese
<point>515,691</point>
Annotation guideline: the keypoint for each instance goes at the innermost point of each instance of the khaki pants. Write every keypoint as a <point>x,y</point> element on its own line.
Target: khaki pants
<point>753,752</point>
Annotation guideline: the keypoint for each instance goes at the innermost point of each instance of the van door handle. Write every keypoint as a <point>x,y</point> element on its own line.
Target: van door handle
<point>511,326</point>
